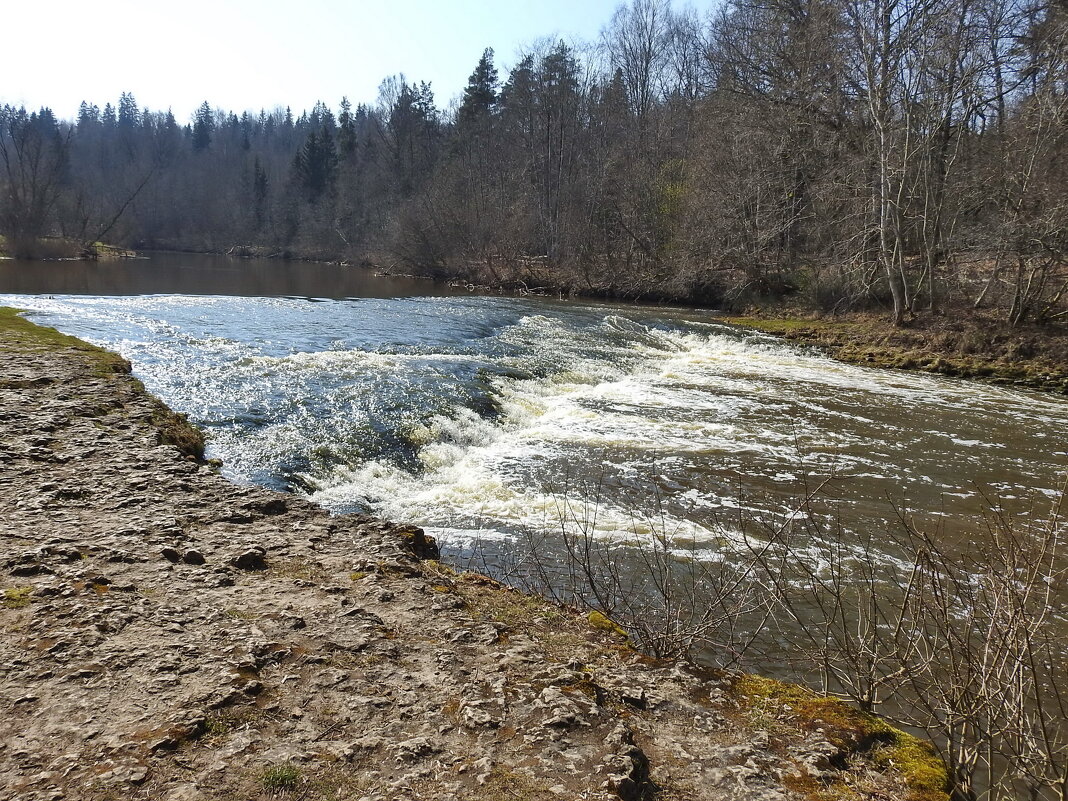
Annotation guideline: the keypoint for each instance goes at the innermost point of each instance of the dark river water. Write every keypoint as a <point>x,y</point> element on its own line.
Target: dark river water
<point>480,418</point>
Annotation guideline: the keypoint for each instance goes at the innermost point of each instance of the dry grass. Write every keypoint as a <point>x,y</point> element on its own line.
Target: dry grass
<point>964,344</point>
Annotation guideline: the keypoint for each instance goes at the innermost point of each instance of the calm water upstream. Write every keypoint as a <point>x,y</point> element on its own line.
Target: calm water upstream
<point>475,416</point>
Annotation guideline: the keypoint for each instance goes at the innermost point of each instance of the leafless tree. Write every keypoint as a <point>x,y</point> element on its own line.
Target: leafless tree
<point>34,149</point>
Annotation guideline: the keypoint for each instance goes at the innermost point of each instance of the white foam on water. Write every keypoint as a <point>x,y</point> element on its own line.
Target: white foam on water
<point>645,403</point>
<point>468,461</point>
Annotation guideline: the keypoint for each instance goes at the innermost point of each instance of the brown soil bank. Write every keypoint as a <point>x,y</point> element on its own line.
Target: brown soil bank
<point>962,344</point>
<point>168,635</point>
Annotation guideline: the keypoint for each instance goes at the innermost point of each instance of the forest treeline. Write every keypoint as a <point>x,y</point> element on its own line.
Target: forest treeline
<point>910,155</point>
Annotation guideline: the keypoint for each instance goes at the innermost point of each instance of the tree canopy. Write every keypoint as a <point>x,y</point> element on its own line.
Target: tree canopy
<point>896,154</point>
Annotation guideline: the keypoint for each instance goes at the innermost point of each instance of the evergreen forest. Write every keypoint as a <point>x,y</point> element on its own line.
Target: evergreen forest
<point>908,156</point>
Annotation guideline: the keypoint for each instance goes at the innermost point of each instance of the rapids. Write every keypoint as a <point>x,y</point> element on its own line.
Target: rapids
<point>480,418</point>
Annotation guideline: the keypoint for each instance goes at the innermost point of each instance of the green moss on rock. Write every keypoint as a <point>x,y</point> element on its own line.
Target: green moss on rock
<point>19,334</point>
<point>849,730</point>
<point>176,430</point>
<point>16,597</point>
<point>602,622</point>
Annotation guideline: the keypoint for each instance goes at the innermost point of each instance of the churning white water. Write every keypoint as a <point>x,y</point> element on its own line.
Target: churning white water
<point>480,418</point>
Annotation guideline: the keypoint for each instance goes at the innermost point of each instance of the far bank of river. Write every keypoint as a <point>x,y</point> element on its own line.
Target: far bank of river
<point>964,345</point>
<point>957,342</point>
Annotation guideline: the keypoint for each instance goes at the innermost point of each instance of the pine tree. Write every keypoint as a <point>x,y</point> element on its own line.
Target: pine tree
<point>480,95</point>
<point>203,127</point>
<point>518,100</point>
<point>260,188</point>
<point>88,116</point>
<point>316,164</point>
<point>346,128</point>
<point>128,113</point>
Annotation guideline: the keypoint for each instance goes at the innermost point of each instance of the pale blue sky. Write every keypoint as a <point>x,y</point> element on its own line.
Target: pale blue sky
<point>248,54</point>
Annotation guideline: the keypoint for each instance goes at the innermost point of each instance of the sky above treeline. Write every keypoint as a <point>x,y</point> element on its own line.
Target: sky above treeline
<point>250,54</point>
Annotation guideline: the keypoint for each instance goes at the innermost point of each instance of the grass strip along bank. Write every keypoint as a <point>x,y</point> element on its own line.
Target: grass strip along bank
<point>967,347</point>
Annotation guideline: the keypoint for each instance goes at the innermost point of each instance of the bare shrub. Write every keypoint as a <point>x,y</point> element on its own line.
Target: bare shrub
<point>962,641</point>
<point>966,644</point>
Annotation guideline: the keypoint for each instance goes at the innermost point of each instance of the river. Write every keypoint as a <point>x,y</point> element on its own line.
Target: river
<point>482,417</point>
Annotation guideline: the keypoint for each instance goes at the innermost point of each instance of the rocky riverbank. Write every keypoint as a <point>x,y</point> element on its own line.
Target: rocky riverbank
<point>169,635</point>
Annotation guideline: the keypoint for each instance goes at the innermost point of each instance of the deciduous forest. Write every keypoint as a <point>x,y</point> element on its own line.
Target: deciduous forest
<point>902,155</point>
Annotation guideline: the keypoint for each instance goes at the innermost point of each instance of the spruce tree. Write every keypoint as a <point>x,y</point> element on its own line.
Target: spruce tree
<point>128,112</point>
<point>316,164</point>
<point>480,95</point>
<point>346,128</point>
<point>203,127</point>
